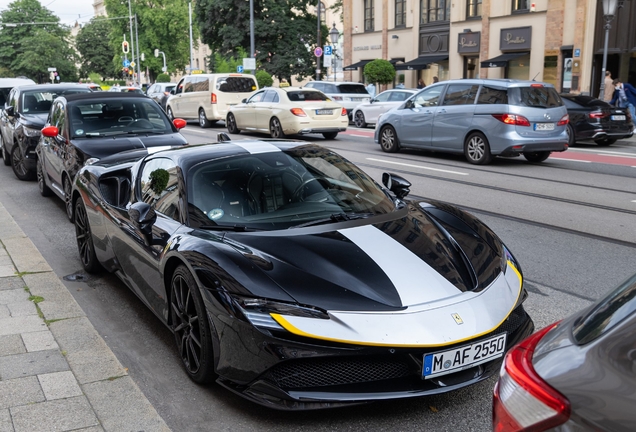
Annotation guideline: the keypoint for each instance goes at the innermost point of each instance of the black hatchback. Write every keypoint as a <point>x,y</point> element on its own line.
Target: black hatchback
<point>592,119</point>
<point>84,128</point>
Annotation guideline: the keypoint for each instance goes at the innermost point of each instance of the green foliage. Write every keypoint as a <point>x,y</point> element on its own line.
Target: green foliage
<point>159,180</point>
<point>379,71</point>
<point>92,42</point>
<point>162,24</point>
<point>162,77</point>
<point>95,77</point>
<point>221,64</point>
<point>31,49</point>
<point>263,79</point>
<point>284,32</point>
<point>401,78</point>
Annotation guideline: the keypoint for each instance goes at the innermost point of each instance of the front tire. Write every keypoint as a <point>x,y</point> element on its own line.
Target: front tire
<point>230,122</point>
<point>537,157</point>
<point>203,120</point>
<point>19,164</point>
<point>191,327</point>
<point>170,114</point>
<point>68,198</point>
<point>276,129</point>
<point>84,239</point>
<point>477,149</point>
<point>389,140</point>
<point>359,119</point>
<point>45,191</point>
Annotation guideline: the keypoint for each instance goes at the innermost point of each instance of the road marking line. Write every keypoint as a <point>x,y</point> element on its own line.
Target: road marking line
<point>418,166</point>
<point>571,160</point>
<point>607,152</point>
<point>193,130</point>
<point>358,135</point>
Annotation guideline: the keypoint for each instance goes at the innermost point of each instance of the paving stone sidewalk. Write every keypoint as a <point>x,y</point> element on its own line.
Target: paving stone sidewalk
<point>56,372</point>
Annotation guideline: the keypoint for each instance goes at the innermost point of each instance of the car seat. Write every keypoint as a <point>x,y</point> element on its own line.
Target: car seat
<point>30,103</point>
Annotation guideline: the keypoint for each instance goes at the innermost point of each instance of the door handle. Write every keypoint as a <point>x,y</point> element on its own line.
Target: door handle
<point>442,111</point>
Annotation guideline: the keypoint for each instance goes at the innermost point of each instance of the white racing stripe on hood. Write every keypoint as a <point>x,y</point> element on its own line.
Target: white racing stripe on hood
<point>415,281</point>
<point>255,147</point>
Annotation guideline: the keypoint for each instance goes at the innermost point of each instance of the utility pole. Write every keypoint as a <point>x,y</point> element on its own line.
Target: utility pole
<point>138,58</point>
<point>318,44</point>
<point>132,49</point>
<point>252,48</point>
<point>190,15</point>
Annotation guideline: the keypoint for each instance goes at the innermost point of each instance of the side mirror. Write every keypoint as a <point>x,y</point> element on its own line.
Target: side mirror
<point>372,100</point>
<point>396,184</point>
<point>50,131</point>
<point>172,91</point>
<point>9,110</point>
<point>179,123</point>
<point>408,104</point>
<point>142,216</point>
<point>244,100</point>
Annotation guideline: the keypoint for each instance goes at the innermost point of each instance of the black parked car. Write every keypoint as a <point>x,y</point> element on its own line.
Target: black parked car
<point>576,375</point>
<point>22,120</point>
<point>595,120</point>
<point>91,126</point>
<point>292,278</point>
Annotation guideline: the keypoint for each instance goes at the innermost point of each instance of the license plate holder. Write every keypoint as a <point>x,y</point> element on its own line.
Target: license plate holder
<point>544,126</point>
<point>457,359</point>
<point>324,112</point>
<point>619,117</point>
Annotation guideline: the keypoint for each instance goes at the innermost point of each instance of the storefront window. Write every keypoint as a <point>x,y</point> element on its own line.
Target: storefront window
<point>368,16</point>
<point>400,13</point>
<point>473,8</point>
<point>550,69</point>
<point>434,10</point>
<point>439,70</point>
<point>471,69</point>
<point>519,68</point>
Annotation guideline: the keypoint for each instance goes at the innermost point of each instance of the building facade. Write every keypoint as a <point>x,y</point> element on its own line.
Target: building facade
<point>545,40</point>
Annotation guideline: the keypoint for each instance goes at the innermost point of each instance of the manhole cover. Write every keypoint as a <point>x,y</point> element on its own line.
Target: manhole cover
<point>76,277</point>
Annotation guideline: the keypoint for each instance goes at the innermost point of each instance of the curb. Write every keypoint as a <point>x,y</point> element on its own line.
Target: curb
<point>56,372</point>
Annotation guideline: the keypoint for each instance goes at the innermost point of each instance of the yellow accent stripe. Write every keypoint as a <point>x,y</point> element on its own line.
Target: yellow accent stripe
<point>294,330</point>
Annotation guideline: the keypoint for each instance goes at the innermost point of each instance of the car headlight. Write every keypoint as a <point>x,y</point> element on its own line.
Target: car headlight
<point>30,132</point>
<point>258,311</point>
<point>91,161</point>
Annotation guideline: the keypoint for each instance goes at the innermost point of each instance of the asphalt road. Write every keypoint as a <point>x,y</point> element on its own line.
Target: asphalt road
<point>569,223</point>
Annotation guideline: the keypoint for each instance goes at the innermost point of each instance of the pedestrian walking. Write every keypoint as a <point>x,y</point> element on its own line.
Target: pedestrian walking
<point>371,89</point>
<point>609,87</point>
<point>420,84</point>
<point>625,97</point>
<point>435,79</point>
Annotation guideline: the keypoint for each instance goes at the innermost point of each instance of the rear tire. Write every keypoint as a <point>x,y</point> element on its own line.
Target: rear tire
<point>605,142</point>
<point>537,157</point>
<point>230,122</point>
<point>330,135</point>
<point>359,119</point>
<point>45,191</point>
<point>276,129</point>
<point>389,140</point>
<point>84,238</point>
<point>203,120</point>
<point>18,164</point>
<point>477,149</point>
<point>571,135</point>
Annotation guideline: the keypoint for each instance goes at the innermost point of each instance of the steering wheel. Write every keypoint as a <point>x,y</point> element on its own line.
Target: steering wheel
<point>141,123</point>
<point>320,195</point>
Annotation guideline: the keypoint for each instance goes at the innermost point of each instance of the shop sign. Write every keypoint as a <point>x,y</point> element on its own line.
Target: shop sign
<point>468,43</point>
<point>515,39</point>
<point>367,47</point>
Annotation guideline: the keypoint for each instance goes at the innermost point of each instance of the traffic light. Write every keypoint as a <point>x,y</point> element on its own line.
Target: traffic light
<point>125,47</point>
<point>143,57</point>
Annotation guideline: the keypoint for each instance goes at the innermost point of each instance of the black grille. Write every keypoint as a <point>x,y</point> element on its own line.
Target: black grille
<point>327,372</point>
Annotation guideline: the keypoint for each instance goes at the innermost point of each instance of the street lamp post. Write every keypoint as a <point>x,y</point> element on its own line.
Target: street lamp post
<point>132,48</point>
<point>318,43</point>
<point>334,35</point>
<point>191,51</point>
<point>609,10</point>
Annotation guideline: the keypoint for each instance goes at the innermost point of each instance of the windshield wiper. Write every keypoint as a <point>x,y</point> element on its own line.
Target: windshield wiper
<point>224,227</point>
<point>144,131</point>
<point>335,217</point>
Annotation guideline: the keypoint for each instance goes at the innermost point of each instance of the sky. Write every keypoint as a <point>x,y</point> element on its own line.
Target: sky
<point>68,11</point>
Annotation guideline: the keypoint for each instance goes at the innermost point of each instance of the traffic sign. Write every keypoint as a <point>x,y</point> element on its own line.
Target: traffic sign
<point>328,50</point>
<point>133,64</point>
<point>52,69</point>
<point>326,60</point>
<point>126,63</point>
<point>318,52</point>
<point>239,69</point>
<point>249,63</point>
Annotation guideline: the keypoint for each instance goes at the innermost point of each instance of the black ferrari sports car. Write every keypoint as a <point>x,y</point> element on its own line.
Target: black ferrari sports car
<point>292,278</point>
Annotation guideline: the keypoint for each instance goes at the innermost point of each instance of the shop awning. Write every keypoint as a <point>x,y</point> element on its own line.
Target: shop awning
<point>502,60</point>
<point>420,63</point>
<point>355,66</point>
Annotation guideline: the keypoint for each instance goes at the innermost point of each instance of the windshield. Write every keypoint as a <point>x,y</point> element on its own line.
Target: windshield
<point>93,118</point>
<point>306,95</point>
<point>39,102</point>
<point>279,190</point>
<point>352,88</point>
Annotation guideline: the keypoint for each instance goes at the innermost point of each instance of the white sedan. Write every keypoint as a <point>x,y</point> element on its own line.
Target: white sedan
<point>288,111</point>
<point>369,112</point>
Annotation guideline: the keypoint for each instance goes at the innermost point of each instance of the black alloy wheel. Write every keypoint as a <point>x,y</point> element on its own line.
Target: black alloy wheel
<point>330,135</point>
<point>230,122</point>
<point>276,129</point>
<point>170,114</point>
<point>537,157</point>
<point>203,120</point>
<point>477,149</point>
<point>571,136</point>
<point>45,191</point>
<point>19,164</point>
<point>84,239</point>
<point>389,140</point>
<point>191,327</point>
<point>5,155</point>
<point>68,199</point>
<point>605,142</point>
<point>359,119</point>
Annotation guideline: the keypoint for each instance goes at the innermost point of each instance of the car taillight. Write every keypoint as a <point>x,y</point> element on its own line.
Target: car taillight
<point>344,112</point>
<point>512,119</point>
<point>597,115</point>
<point>564,120</point>
<point>337,98</point>
<point>522,400</point>
<point>212,98</point>
<point>298,112</point>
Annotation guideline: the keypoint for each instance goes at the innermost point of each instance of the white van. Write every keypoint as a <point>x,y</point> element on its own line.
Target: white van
<point>207,97</point>
<point>6,84</point>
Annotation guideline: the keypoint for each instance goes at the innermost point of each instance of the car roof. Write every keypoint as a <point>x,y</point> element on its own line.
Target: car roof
<point>495,82</point>
<point>13,82</point>
<point>337,82</point>
<point>103,95</point>
<point>51,87</point>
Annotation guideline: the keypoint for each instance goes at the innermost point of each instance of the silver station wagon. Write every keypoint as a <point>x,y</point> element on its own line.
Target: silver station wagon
<point>479,118</point>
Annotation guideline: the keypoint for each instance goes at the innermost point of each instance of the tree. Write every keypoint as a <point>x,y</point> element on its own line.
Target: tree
<point>163,78</point>
<point>17,42</point>
<point>263,79</point>
<point>379,71</point>
<point>284,32</point>
<point>92,42</point>
<point>162,24</point>
<point>44,50</point>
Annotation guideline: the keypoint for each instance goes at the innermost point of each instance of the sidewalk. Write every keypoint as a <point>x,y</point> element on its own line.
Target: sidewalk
<point>56,372</point>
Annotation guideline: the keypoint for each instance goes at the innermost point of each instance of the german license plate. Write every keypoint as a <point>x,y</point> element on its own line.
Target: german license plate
<point>324,112</point>
<point>618,117</point>
<point>544,126</point>
<point>454,360</point>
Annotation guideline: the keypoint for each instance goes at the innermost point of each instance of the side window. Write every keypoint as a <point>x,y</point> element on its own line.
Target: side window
<point>570,104</point>
<point>189,85</point>
<point>270,96</point>
<point>13,99</point>
<point>317,86</point>
<point>256,98</point>
<point>59,117</point>
<point>160,186</point>
<point>399,96</point>
<point>151,89</point>
<point>179,88</point>
<point>460,94</point>
<point>428,97</point>
<point>201,84</point>
<point>330,88</point>
<point>491,95</point>
<point>384,97</point>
